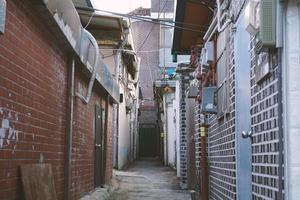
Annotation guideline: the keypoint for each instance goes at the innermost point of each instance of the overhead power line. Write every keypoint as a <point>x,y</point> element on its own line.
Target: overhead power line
<point>173,24</point>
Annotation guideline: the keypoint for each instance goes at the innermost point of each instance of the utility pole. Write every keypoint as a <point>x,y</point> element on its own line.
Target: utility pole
<point>203,164</point>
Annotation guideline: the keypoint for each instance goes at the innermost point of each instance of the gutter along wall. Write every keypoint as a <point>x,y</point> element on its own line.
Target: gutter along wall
<point>33,64</point>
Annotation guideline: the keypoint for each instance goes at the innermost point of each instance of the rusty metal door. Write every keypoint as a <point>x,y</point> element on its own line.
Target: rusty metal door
<point>99,131</point>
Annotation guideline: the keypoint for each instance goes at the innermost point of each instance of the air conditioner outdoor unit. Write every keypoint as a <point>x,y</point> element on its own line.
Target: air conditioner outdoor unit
<point>209,52</point>
<point>208,104</point>
<point>252,17</point>
<point>267,28</point>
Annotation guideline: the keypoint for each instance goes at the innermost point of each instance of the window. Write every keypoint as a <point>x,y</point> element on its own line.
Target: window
<point>2,15</point>
<point>223,83</point>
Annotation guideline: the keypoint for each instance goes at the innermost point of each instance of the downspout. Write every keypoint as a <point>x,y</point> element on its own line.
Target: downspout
<point>105,138</point>
<point>87,98</point>
<point>279,45</point>
<point>69,128</point>
<point>118,55</point>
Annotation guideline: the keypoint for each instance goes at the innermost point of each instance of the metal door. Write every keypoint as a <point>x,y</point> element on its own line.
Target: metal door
<point>243,118</point>
<point>99,180</point>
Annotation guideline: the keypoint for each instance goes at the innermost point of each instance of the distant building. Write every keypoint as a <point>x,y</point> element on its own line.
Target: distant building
<point>153,43</point>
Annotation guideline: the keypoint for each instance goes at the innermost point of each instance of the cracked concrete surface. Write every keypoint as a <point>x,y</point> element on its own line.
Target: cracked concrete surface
<point>147,179</point>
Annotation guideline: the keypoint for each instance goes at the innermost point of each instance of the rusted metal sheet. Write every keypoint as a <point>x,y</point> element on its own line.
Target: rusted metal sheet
<point>38,182</point>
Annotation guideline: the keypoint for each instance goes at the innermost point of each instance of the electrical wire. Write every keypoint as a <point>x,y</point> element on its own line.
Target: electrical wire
<point>153,26</point>
<point>90,20</point>
<point>149,20</point>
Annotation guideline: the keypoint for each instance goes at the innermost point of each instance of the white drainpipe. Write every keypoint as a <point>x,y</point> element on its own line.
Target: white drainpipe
<point>87,98</point>
<point>136,77</point>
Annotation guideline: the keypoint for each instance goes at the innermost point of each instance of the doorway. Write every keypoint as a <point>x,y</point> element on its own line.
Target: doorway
<point>148,140</point>
<point>99,146</point>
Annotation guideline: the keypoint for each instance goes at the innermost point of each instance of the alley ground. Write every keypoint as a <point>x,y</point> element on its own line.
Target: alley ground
<point>147,179</point>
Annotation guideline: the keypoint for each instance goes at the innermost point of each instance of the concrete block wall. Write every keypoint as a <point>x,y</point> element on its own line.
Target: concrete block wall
<point>265,129</point>
<point>185,78</point>
<point>33,86</point>
<point>221,143</point>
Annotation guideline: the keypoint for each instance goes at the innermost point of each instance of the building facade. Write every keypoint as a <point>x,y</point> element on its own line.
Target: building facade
<point>49,113</point>
<point>248,122</point>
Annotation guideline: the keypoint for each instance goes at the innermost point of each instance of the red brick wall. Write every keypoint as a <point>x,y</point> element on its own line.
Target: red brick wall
<point>109,146</point>
<point>83,140</point>
<point>33,75</point>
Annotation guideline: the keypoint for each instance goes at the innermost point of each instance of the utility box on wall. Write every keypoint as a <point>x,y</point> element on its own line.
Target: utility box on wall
<point>192,92</point>
<point>209,100</point>
<point>2,15</point>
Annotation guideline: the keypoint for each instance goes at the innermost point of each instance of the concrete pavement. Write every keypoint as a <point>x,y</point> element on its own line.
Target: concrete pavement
<point>147,179</point>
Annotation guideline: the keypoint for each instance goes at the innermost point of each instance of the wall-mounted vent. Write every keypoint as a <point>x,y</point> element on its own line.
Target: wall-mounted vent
<point>2,15</point>
<point>193,91</point>
<point>267,28</point>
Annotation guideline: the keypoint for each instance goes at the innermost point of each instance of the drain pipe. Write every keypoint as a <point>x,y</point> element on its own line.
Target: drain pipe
<point>87,98</point>
<point>69,131</point>
<point>279,45</point>
<point>118,54</point>
<point>203,164</point>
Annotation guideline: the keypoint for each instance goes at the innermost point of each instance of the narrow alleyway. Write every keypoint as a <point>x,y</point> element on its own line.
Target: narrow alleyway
<point>147,179</point>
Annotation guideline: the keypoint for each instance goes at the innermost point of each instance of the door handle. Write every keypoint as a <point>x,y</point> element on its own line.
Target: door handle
<point>98,145</point>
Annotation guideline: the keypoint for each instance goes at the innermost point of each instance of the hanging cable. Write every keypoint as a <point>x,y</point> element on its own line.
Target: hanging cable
<point>153,26</point>
<point>149,20</point>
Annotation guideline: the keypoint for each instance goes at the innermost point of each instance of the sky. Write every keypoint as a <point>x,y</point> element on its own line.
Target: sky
<point>120,6</point>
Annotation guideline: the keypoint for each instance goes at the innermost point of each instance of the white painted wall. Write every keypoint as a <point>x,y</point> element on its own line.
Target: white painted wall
<point>176,104</point>
<point>171,134</point>
<point>124,134</point>
<point>291,99</point>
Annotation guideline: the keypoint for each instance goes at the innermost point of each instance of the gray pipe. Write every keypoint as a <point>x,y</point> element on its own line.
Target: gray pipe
<point>279,42</point>
<point>87,98</point>
<point>69,128</point>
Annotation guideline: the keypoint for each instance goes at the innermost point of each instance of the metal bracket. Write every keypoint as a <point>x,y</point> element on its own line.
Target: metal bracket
<point>2,15</point>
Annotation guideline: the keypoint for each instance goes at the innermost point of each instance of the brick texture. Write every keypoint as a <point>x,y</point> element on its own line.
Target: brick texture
<point>33,86</point>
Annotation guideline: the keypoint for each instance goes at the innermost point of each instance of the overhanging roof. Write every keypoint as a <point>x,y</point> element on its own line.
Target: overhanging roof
<point>106,29</point>
<point>195,15</point>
